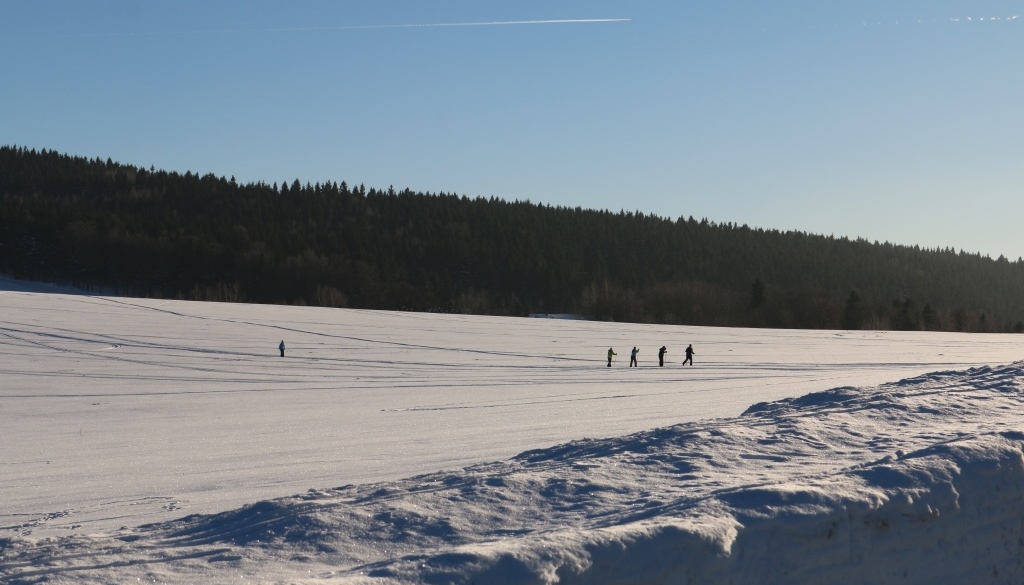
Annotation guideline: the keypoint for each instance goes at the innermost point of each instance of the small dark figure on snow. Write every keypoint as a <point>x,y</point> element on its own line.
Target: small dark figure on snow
<point>611,352</point>
<point>281,347</point>
<point>632,358</point>
<point>689,355</point>
<point>661,356</point>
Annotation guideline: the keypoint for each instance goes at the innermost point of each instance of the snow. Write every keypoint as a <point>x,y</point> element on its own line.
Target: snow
<point>166,441</point>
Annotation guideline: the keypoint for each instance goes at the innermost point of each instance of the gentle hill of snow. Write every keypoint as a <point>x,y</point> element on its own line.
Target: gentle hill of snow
<point>163,441</point>
<point>921,481</point>
<point>8,284</point>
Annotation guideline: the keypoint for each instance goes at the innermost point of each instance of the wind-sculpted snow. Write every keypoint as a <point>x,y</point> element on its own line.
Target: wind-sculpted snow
<point>916,481</point>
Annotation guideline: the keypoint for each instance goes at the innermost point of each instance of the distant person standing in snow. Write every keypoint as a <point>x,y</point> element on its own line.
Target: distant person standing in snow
<point>611,352</point>
<point>632,358</point>
<point>661,356</point>
<point>281,347</point>
<point>689,355</point>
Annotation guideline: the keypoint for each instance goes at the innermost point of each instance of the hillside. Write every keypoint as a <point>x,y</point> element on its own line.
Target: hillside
<point>165,441</point>
<point>95,223</point>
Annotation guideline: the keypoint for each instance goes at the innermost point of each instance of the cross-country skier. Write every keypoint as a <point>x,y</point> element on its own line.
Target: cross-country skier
<point>661,356</point>
<point>281,347</point>
<point>689,355</point>
<point>632,358</point>
<point>611,352</point>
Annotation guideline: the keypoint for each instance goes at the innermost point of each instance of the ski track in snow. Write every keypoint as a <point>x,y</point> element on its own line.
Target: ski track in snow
<point>156,440</point>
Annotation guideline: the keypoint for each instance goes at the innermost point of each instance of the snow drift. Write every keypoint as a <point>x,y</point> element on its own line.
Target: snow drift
<point>919,481</point>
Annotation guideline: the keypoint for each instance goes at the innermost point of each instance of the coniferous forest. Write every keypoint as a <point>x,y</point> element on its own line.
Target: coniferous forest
<point>116,228</point>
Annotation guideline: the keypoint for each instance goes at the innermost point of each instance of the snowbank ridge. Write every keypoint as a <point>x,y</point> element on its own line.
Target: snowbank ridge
<point>919,481</point>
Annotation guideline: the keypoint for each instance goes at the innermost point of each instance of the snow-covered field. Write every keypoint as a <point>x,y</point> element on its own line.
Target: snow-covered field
<point>167,441</point>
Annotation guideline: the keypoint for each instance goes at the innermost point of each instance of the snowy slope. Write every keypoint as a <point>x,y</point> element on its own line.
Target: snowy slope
<point>920,481</point>
<point>115,413</point>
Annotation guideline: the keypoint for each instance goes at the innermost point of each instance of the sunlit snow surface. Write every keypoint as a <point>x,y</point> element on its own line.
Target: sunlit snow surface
<point>165,440</point>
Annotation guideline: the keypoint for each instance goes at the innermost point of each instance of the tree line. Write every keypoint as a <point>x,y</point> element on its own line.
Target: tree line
<point>107,226</point>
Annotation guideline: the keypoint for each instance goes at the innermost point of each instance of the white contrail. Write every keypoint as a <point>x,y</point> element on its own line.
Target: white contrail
<point>359,27</point>
<point>492,23</point>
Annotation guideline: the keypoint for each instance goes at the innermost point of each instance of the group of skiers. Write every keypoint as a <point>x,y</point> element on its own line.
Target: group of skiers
<point>661,356</point>
<point>611,352</point>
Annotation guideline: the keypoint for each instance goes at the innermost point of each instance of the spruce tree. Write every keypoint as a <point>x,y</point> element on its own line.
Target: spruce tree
<point>757,298</point>
<point>853,313</point>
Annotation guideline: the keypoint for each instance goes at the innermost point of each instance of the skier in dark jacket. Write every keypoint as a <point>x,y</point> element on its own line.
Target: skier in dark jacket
<point>661,356</point>
<point>281,347</point>
<point>689,355</point>
<point>632,358</point>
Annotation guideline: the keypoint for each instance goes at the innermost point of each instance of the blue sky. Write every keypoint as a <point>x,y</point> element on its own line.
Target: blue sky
<point>898,121</point>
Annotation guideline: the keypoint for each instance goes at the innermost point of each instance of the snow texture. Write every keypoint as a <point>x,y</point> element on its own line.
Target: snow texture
<point>156,441</point>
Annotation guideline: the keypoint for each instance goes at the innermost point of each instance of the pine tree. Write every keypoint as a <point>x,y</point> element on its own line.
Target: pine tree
<point>853,313</point>
<point>929,318</point>
<point>757,297</point>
